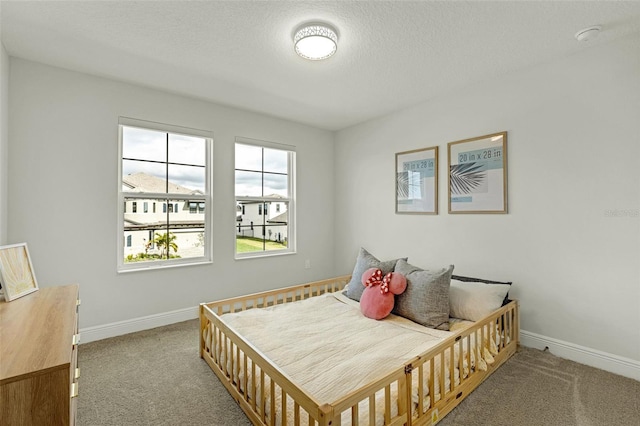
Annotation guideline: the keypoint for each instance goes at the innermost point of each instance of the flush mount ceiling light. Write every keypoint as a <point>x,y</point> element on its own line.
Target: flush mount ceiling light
<point>315,41</point>
<point>588,33</point>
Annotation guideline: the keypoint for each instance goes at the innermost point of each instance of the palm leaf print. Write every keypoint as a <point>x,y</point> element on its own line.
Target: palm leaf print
<point>402,184</point>
<point>466,177</point>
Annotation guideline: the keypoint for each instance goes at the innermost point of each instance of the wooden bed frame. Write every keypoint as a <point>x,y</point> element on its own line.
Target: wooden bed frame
<point>436,364</point>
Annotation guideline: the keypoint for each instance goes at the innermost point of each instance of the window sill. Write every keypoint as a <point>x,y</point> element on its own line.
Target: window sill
<point>164,265</point>
<point>262,254</point>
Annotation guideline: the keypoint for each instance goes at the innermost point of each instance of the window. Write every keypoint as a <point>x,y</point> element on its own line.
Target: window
<point>168,165</point>
<point>134,207</point>
<point>196,208</point>
<point>264,175</point>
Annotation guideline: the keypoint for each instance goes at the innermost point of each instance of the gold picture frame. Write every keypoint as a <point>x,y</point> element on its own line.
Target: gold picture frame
<point>478,174</point>
<point>16,271</point>
<point>417,181</point>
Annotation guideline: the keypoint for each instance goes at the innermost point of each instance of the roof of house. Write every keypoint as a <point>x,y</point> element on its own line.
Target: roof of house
<point>260,201</point>
<point>132,225</point>
<point>281,218</point>
<point>142,182</point>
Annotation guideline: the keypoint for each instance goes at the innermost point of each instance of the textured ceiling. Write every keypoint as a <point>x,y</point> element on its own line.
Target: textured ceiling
<point>391,54</point>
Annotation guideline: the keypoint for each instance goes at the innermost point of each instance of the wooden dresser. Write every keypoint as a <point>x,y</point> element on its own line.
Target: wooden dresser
<point>38,358</point>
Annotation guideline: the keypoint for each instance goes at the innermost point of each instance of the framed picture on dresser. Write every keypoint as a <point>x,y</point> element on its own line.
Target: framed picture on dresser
<point>16,271</point>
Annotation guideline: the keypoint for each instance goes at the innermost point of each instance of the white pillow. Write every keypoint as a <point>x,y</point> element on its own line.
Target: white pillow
<point>475,300</point>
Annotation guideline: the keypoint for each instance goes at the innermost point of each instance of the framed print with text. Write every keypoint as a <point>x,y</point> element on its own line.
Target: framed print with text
<point>417,181</point>
<point>16,271</point>
<point>478,174</point>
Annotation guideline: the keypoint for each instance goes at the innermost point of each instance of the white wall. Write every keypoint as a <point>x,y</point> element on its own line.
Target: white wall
<point>571,240</point>
<point>4,140</point>
<point>63,193</point>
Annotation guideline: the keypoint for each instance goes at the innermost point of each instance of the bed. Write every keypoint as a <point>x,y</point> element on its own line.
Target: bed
<point>328,365</point>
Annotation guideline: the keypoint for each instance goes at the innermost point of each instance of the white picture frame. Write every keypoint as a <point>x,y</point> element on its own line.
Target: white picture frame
<point>16,271</point>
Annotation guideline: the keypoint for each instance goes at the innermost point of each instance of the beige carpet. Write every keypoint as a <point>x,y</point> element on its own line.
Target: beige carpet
<point>538,388</point>
<point>155,377</point>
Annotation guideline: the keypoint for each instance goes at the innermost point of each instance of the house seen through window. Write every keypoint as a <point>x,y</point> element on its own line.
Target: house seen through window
<point>164,165</point>
<point>264,188</point>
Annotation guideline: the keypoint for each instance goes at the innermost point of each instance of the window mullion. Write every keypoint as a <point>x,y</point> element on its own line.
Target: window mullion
<point>262,172</point>
<point>166,189</point>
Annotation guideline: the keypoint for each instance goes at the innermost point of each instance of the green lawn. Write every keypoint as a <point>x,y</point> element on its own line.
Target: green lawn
<point>246,245</point>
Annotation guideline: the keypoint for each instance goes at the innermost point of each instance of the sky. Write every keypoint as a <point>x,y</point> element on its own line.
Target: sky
<point>150,145</point>
<point>190,153</point>
<point>249,160</point>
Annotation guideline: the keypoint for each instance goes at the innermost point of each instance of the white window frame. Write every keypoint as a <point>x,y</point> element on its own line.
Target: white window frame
<point>291,182</point>
<point>207,197</point>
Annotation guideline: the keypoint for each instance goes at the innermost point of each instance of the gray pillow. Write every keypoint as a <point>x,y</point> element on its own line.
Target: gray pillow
<point>365,261</point>
<point>426,299</point>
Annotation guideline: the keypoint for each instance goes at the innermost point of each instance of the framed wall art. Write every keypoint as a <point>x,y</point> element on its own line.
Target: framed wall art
<point>417,181</point>
<point>16,271</point>
<point>478,174</point>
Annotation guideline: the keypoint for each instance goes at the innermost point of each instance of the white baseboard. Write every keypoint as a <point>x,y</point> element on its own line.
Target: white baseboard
<point>90,334</point>
<point>605,361</point>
